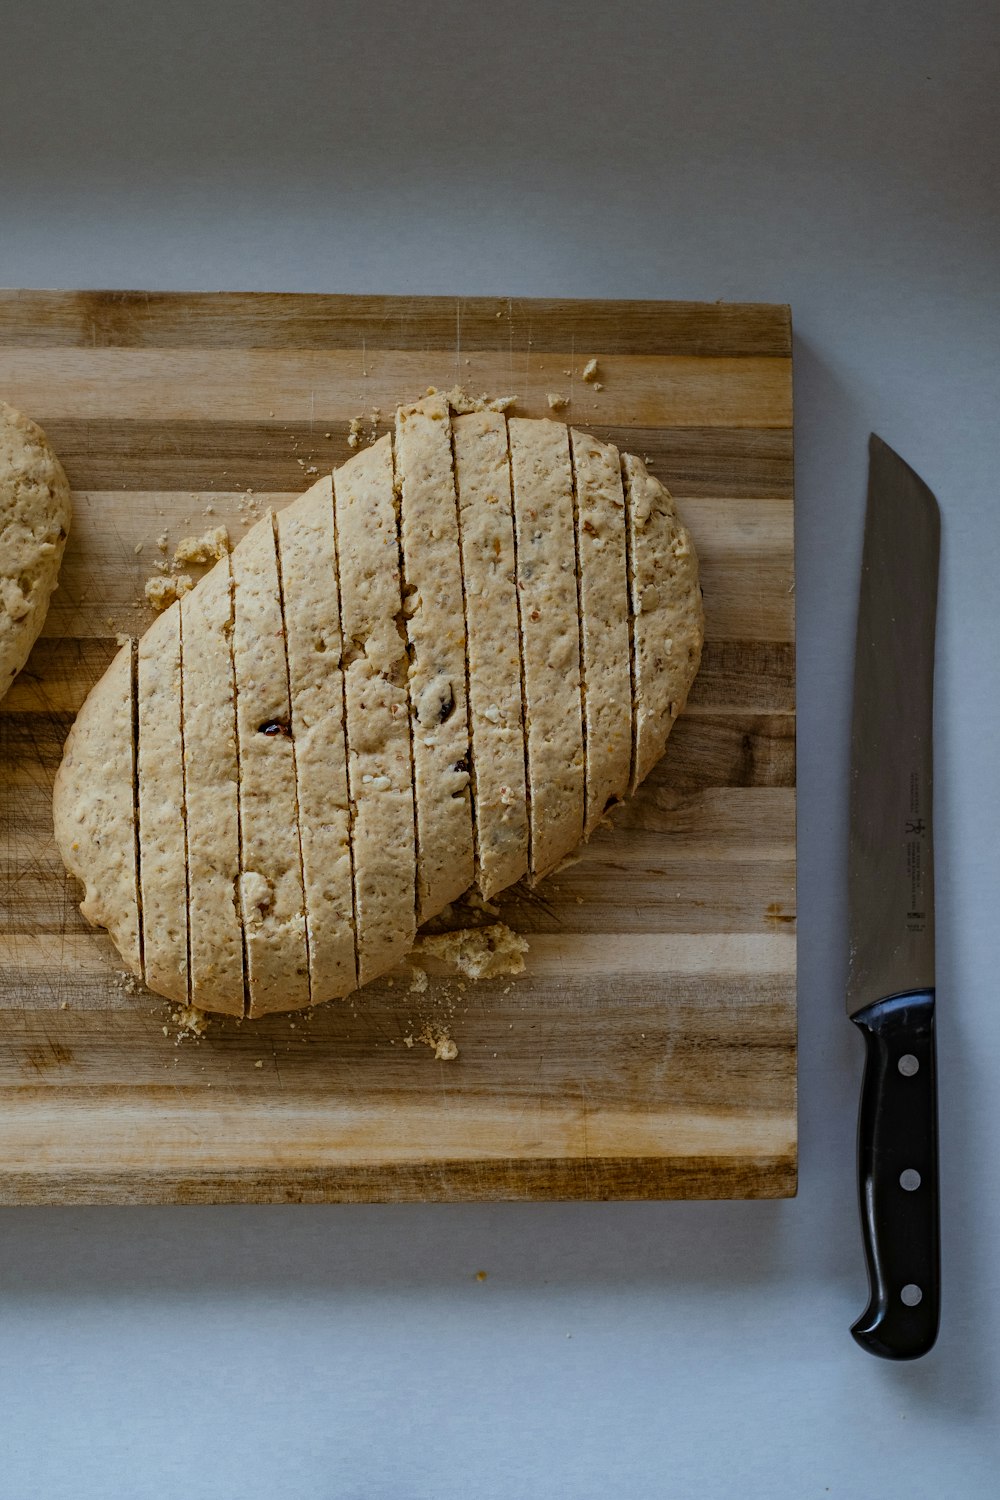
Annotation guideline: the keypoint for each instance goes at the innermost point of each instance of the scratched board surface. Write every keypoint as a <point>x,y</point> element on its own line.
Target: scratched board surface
<point>649,1048</point>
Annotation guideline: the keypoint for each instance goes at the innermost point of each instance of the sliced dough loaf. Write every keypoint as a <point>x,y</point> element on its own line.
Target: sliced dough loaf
<point>298,756</point>
<point>162,859</point>
<point>482,477</point>
<point>380,775</point>
<point>435,624</point>
<point>550,635</point>
<point>668,621</point>
<point>94,808</point>
<point>272,900</point>
<point>604,637</point>
<point>312,629</point>
<point>34,523</point>
<point>211,773</point>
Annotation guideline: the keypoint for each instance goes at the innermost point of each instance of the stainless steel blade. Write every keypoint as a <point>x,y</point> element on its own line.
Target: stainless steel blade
<point>891,859</point>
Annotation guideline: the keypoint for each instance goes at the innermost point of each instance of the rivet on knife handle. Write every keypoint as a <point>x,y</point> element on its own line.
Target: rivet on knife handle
<point>898,1177</point>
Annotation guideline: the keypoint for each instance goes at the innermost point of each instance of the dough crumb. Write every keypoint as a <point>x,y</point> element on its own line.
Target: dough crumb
<point>259,1063</point>
<point>163,591</point>
<point>191,1022</point>
<point>478,952</point>
<point>203,549</point>
<point>475,902</point>
<point>163,541</point>
<point>408,1041</point>
<point>442,1045</point>
<point>418,981</point>
<point>591,371</point>
<point>481,1275</point>
<point>126,983</point>
<point>557,401</point>
<point>461,402</point>
<point>357,433</point>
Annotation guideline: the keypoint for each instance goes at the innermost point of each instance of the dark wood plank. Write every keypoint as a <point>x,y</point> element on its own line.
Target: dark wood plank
<point>276,320</point>
<point>737,676</point>
<point>606,1180</point>
<point>115,454</point>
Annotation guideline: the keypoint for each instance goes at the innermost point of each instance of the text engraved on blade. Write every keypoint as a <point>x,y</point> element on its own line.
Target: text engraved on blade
<point>916,832</point>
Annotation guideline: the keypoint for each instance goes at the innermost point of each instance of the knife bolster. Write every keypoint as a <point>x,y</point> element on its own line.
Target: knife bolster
<point>898,1176</point>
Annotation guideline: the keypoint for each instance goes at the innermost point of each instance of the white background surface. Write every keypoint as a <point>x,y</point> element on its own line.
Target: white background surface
<point>843,158</point>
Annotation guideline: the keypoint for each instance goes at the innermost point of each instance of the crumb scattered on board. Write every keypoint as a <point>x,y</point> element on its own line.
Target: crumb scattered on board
<point>557,401</point>
<point>475,902</point>
<point>462,402</point>
<point>162,591</point>
<point>362,429</point>
<point>164,587</point>
<point>435,1036</point>
<point>591,370</point>
<point>478,952</point>
<point>438,1039</point>
<point>190,1022</point>
<point>207,548</point>
<point>418,981</point>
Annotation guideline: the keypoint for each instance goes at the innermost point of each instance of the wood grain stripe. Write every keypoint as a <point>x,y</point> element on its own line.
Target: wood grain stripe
<point>746,555</point>
<point>116,453</point>
<point>332,387</point>
<point>36,1136</point>
<point>652,955</point>
<point>618,1178</point>
<point>240,320</point>
<point>735,675</point>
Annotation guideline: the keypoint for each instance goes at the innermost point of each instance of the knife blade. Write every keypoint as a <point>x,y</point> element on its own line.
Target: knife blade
<point>891,979</point>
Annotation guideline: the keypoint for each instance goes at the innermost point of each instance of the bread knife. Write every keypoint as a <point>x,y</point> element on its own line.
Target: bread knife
<point>891,981</point>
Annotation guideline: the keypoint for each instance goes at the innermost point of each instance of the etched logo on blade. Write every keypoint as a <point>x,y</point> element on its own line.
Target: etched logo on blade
<point>916,829</point>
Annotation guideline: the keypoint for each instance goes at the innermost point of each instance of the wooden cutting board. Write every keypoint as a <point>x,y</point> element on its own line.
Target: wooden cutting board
<point>649,1049</point>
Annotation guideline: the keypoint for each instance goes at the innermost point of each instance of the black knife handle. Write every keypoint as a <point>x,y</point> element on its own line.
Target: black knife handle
<point>898,1177</point>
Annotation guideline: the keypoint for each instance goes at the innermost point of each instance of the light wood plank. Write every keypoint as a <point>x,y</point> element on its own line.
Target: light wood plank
<point>254,385</point>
